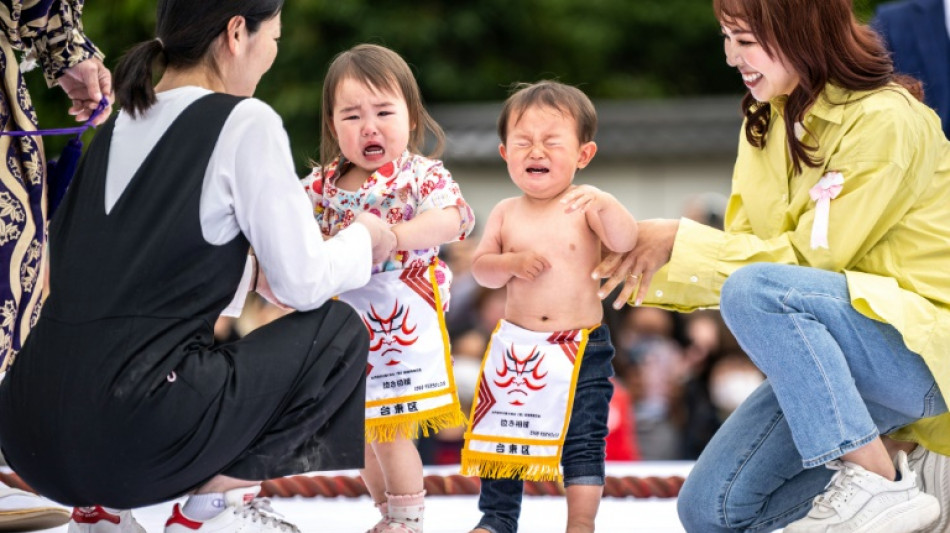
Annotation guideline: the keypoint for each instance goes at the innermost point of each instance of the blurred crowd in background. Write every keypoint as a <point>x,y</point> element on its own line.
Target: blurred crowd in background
<point>677,376</point>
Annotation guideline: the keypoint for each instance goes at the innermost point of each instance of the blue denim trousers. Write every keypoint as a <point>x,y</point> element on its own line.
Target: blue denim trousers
<point>584,446</point>
<point>836,381</point>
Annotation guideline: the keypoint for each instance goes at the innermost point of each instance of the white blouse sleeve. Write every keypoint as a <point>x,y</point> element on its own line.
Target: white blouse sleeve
<point>251,187</point>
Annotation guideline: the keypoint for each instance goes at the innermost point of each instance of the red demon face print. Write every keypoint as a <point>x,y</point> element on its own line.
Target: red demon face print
<point>525,375</point>
<point>387,335</point>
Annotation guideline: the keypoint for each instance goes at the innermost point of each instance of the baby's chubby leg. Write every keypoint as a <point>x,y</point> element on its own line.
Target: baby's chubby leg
<point>400,464</point>
<point>372,475</point>
<point>402,469</point>
<point>582,504</point>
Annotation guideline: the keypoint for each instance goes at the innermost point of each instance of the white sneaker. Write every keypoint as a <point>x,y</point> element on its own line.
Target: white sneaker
<point>858,501</point>
<point>245,513</point>
<point>933,477</point>
<point>25,511</point>
<point>97,520</point>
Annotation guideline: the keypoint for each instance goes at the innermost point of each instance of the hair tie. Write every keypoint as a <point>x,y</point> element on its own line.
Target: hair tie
<point>160,42</point>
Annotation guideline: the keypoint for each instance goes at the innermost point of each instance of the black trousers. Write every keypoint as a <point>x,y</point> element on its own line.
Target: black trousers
<point>286,399</point>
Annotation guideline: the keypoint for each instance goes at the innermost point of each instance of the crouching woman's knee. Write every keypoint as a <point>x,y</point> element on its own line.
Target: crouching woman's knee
<point>751,290</point>
<point>352,334</point>
<point>697,509</point>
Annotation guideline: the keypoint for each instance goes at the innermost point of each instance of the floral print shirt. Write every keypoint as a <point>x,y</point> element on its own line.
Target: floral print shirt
<point>396,192</point>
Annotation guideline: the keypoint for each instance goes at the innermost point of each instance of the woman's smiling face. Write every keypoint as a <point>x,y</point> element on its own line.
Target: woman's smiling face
<point>765,76</point>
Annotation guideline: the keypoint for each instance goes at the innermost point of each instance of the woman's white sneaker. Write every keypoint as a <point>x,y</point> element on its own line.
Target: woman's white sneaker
<point>98,520</point>
<point>933,477</point>
<point>244,513</point>
<point>858,501</point>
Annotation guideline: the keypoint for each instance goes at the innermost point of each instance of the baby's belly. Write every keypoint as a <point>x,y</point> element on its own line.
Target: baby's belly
<point>552,307</point>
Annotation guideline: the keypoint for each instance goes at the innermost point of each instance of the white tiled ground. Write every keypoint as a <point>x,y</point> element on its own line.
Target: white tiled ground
<point>458,514</point>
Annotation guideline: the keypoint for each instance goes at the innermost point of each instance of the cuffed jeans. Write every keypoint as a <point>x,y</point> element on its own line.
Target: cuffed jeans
<point>584,446</point>
<point>836,380</point>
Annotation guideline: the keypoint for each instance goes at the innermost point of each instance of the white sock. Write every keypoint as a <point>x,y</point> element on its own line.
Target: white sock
<point>110,510</point>
<point>204,506</point>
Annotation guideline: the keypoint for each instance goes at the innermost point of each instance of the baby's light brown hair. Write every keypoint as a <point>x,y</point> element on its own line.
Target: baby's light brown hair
<point>550,94</point>
<point>383,69</point>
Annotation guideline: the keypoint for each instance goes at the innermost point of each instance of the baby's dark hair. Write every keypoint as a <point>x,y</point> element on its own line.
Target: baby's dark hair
<point>554,95</point>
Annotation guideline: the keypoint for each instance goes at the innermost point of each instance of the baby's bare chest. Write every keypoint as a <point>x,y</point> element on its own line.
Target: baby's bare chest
<point>558,236</point>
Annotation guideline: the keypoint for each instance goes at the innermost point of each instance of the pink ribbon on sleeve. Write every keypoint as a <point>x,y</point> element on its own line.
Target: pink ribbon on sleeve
<point>827,189</point>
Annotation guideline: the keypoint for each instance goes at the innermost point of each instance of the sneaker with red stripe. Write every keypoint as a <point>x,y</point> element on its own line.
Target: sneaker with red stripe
<point>244,513</point>
<point>98,520</point>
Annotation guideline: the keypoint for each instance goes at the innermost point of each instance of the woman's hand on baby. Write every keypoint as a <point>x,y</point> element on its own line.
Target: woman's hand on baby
<point>635,269</point>
<point>528,265</point>
<point>382,238</point>
<point>582,198</point>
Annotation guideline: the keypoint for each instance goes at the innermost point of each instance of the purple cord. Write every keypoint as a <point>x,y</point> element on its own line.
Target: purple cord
<point>78,130</point>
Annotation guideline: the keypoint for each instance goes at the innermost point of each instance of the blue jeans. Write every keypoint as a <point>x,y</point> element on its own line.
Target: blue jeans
<point>836,381</point>
<point>584,446</point>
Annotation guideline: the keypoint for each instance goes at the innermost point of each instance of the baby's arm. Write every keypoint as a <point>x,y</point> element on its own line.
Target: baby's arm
<point>441,215</point>
<point>494,268</point>
<point>428,229</point>
<point>607,217</point>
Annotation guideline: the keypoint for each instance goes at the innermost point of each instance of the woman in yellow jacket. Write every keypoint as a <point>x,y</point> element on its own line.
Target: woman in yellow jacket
<point>833,272</point>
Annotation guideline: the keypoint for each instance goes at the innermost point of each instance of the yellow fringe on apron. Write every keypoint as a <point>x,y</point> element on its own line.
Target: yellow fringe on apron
<point>386,430</point>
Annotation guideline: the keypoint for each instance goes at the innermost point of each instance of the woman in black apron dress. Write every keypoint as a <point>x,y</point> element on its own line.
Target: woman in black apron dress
<point>119,396</point>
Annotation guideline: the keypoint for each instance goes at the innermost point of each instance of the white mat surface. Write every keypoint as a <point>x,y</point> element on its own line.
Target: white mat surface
<point>458,514</point>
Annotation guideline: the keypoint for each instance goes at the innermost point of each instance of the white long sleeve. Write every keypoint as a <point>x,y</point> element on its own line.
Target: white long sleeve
<point>251,187</point>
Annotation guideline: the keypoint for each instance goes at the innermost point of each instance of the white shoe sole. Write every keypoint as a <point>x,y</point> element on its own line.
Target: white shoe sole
<point>33,519</point>
<point>915,516</point>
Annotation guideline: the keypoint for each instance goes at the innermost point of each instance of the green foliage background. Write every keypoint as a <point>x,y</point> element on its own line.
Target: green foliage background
<point>463,50</point>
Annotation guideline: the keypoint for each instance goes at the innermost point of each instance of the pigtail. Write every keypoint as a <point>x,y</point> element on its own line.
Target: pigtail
<point>438,135</point>
<point>133,76</point>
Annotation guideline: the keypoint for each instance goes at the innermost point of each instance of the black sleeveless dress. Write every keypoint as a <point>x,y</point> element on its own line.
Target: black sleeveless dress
<point>119,396</point>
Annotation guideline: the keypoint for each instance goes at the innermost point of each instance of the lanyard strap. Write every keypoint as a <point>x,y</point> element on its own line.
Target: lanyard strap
<point>77,130</point>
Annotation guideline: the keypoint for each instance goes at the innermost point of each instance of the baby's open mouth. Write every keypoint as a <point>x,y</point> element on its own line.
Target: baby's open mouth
<point>373,149</point>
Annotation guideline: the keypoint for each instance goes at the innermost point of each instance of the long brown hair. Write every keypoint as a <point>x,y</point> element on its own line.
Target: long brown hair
<point>823,43</point>
<point>380,68</point>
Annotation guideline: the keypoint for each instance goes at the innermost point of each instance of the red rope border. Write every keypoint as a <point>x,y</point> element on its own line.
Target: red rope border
<point>455,484</point>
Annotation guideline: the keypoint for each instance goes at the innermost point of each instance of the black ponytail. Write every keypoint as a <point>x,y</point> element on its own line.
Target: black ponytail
<point>133,77</point>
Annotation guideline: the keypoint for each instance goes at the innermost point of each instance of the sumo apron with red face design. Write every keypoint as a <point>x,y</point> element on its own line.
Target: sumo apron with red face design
<point>523,403</point>
<point>410,387</point>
